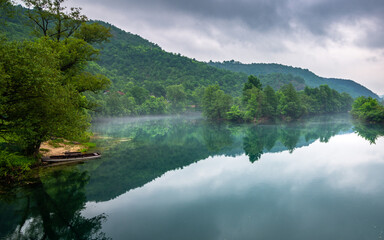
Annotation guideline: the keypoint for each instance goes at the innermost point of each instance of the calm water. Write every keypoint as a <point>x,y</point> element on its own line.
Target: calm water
<point>185,178</point>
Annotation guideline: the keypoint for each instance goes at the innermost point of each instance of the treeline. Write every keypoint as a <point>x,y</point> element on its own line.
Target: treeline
<point>368,109</point>
<point>259,104</point>
<point>133,100</point>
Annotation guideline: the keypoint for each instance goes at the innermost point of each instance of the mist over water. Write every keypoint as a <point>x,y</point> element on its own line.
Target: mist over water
<point>186,178</point>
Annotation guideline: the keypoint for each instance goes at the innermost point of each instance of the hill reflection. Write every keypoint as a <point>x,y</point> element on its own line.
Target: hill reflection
<point>140,151</point>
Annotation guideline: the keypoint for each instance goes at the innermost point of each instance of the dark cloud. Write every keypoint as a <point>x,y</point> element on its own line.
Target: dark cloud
<point>333,38</point>
<point>314,16</point>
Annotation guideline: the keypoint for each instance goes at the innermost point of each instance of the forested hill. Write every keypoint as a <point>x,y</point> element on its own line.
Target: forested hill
<point>131,62</point>
<point>311,79</point>
<point>130,58</point>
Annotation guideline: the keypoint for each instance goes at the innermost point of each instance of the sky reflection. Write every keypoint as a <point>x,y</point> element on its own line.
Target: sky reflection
<point>326,190</point>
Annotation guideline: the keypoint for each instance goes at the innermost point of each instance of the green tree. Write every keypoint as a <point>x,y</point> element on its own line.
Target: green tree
<point>93,33</point>
<point>368,109</point>
<point>253,82</point>
<point>255,104</point>
<point>154,105</point>
<point>177,96</point>
<point>36,100</point>
<point>139,93</point>
<point>43,81</point>
<point>271,103</point>
<point>216,103</point>
<point>52,20</point>
<point>289,103</point>
<point>235,114</point>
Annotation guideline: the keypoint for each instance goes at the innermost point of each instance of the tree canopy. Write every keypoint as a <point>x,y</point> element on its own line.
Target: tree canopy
<point>286,104</point>
<point>368,109</point>
<point>43,81</point>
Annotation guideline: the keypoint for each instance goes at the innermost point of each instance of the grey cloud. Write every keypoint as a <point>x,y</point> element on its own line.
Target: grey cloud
<point>313,16</point>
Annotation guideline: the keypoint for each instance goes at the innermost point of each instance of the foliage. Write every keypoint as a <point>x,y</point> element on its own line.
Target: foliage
<point>266,105</point>
<point>278,80</point>
<point>178,141</point>
<point>50,18</point>
<point>263,69</point>
<point>368,109</point>
<point>290,106</point>
<point>93,33</point>
<point>140,69</point>
<point>235,114</point>
<point>251,83</point>
<point>13,166</point>
<point>177,96</point>
<point>6,10</point>
<point>41,97</point>
<point>55,203</point>
<point>216,103</point>
<point>271,103</point>
<point>370,132</point>
<point>43,81</point>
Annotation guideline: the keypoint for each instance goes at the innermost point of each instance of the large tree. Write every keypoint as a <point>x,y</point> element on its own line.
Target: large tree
<point>39,100</point>
<point>43,81</point>
<point>216,103</point>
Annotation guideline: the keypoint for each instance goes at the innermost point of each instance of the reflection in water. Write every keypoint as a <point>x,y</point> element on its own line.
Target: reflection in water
<point>174,178</point>
<point>319,192</point>
<point>51,209</point>
<point>140,151</point>
<point>369,132</point>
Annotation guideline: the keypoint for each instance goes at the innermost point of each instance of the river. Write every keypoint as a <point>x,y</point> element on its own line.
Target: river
<point>187,178</point>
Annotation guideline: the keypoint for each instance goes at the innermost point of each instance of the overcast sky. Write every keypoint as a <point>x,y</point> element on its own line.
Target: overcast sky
<point>332,38</point>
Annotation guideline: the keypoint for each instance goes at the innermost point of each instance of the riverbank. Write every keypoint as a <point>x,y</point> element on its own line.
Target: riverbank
<point>60,146</point>
<point>16,169</point>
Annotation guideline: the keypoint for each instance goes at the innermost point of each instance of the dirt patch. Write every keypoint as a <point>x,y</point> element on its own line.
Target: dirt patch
<point>49,149</point>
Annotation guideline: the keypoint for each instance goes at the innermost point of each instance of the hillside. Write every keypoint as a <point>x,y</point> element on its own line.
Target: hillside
<point>130,57</point>
<point>140,69</point>
<point>311,79</point>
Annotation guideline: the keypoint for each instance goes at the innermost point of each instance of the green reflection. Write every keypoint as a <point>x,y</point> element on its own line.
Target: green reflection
<point>141,150</point>
<point>259,139</point>
<point>51,209</point>
<point>137,151</point>
<point>370,132</point>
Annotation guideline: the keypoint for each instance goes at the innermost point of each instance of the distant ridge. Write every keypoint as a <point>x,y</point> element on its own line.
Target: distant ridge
<point>311,79</point>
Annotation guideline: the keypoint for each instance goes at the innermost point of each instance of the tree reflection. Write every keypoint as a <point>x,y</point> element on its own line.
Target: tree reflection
<point>52,209</point>
<point>216,136</point>
<point>289,137</point>
<point>258,139</point>
<point>370,132</point>
<point>261,139</point>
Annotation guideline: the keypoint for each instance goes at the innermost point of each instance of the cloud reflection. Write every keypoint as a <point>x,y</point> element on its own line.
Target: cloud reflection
<point>282,196</point>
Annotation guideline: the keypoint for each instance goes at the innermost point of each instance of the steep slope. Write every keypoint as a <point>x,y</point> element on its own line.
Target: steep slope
<point>130,58</point>
<point>311,79</point>
<point>135,59</point>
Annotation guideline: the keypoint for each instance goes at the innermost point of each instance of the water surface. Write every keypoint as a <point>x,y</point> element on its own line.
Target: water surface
<point>186,178</point>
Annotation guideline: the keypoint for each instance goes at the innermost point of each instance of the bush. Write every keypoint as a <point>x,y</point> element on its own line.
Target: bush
<point>13,166</point>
